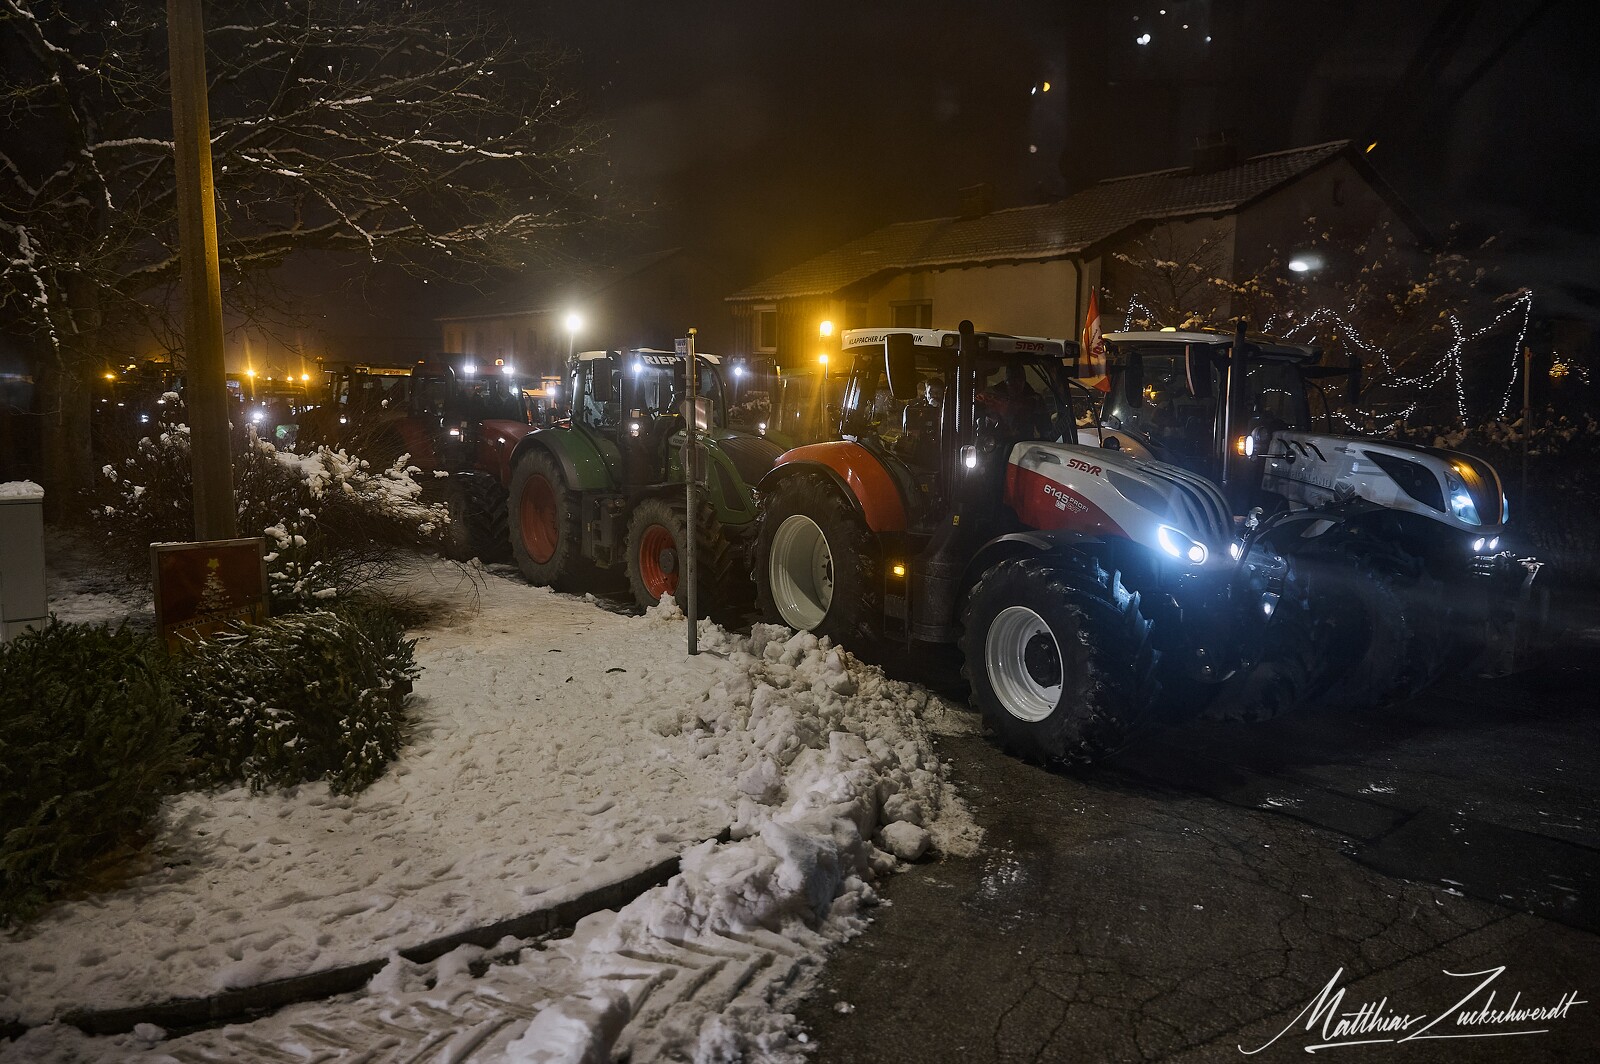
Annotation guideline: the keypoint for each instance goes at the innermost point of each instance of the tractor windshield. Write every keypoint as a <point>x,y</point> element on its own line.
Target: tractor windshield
<point>497,396</point>
<point>1018,397</point>
<point>1177,426</point>
<point>656,386</point>
<point>1182,428</point>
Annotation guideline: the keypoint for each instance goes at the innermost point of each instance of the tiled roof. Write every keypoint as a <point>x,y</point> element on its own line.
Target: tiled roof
<point>555,290</point>
<point>1046,231</point>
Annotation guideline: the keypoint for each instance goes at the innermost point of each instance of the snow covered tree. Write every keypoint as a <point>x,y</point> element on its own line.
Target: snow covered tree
<point>417,132</point>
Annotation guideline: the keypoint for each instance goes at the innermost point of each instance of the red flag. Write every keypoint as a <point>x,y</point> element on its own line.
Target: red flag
<point>1092,367</point>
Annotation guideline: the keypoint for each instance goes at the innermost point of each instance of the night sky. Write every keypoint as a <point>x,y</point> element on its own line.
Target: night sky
<point>774,132</point>
<point>770,133</point>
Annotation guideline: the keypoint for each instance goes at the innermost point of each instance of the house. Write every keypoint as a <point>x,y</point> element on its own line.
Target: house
<point>1030,269</point>
<point>646,301</point>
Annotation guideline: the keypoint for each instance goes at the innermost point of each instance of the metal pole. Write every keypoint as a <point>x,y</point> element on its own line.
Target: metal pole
<point>690,473</point>
<point>207,391</point>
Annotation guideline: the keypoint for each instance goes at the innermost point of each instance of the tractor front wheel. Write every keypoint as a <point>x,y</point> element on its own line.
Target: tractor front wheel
<point>658,538</point>
<point>1059,658</point>
<point>543,519</point>
<point>817,565</point>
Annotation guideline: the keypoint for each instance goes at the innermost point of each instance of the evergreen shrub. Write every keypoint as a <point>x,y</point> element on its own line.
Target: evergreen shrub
<point>89,745</point>
<point>303,697</point>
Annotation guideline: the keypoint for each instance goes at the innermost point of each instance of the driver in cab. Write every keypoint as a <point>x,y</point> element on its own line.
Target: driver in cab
<point>1017,410</point>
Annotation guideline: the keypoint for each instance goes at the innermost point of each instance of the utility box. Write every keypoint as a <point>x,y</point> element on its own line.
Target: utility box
<point>22,601</point>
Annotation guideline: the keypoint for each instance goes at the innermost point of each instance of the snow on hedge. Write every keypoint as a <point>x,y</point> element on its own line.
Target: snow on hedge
<point>562,747</point>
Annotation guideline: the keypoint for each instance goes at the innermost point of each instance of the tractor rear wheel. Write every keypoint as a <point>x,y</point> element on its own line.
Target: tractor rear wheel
<point>658,537</point>
<point>543,516</point>
<point>817,565</point>
<point>1059,658</point>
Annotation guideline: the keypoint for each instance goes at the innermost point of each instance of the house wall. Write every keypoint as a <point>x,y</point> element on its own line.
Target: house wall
<point>1036,299</point>
<point>1032,298</point>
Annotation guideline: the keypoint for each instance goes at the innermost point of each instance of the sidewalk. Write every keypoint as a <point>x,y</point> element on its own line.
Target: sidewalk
<point>561,751</point>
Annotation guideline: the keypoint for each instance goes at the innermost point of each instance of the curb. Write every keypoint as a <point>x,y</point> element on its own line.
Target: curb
<point>250,1002</point>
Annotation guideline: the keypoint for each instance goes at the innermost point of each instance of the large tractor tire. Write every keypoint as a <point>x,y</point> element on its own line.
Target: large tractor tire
<point>658,537</point>
<point>817,565</point>
<point>1361,632</point>
<point>1059,658</point>
<point>477,507</point>
<point>543,517</point>
<point>1285,674</point>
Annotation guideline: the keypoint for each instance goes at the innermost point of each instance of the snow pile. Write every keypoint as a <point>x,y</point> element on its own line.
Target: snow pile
<point>21,489</point>
<point>562,747</point>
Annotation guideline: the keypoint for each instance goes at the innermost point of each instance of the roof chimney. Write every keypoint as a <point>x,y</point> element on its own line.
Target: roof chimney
<point>977,200</point>
<point>1219,152</point>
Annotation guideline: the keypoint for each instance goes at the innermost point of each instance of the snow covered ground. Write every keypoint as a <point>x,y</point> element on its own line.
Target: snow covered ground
<point>559,747</point>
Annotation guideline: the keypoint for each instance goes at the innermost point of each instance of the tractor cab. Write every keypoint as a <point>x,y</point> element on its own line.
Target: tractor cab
<point>930,417</point>
<point>635,403</point>
<point>466,415</point>
<point>1175,397</point>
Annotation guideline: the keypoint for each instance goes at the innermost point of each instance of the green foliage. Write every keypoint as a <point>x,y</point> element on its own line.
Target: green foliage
<point>303,697</point>
<point>89,746</point>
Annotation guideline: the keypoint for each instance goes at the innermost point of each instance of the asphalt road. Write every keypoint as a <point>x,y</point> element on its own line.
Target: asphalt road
<point>1193,898</point>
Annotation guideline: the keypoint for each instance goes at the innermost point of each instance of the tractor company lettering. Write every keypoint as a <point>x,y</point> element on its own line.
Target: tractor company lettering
<point>1484,1011</point>
<point>1078,463</point>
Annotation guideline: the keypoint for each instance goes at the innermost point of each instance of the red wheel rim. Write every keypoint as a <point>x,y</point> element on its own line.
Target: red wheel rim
<point>656,543</point>
<point>536,517</point>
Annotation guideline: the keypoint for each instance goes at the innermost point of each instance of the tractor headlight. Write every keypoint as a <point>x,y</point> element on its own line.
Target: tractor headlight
<point>1462,507</point>
<point>969,457</point>
<point>1181,546</point>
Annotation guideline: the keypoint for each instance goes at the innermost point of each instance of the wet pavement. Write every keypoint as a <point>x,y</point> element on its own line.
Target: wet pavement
<point>1193,898</point>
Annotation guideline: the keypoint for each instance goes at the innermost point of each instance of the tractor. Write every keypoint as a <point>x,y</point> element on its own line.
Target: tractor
<point>1096,590</point>
<point>606,490</point>
<point>459,422</point>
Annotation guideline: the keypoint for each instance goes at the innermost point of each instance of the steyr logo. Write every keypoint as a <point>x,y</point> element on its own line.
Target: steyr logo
<point>1079,463</point>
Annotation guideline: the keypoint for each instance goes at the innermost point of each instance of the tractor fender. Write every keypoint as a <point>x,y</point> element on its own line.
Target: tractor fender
<point>1022,544</point>
<point>581,464</point>
<point>858,474</point>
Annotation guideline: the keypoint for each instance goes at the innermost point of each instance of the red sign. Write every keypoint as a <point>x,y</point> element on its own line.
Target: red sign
<point>202,587</point>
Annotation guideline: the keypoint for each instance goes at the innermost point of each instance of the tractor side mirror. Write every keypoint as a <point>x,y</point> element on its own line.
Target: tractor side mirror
<point>1133,380</point>
<point>600,381</point>
<point>900,360</point>
<point>1197,367</point>
<point>1355,380</point>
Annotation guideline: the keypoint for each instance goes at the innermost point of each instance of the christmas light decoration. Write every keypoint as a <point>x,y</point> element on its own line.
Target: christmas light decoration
<point>1446,371</point>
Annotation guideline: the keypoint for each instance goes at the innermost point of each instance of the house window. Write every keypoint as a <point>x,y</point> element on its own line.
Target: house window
<point>918,315</point>
<point>766,329</point>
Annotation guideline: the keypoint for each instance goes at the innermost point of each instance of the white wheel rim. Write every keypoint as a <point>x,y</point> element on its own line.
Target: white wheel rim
<point>1022,692</point>
<point>800,572</point>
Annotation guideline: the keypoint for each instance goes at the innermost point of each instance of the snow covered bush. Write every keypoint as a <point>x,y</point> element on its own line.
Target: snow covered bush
<point>308,696</point>
<point>89,746</point>
<point>330,520</point>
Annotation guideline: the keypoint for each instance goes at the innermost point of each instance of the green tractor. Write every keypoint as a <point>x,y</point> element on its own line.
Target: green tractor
<point>606,488</point>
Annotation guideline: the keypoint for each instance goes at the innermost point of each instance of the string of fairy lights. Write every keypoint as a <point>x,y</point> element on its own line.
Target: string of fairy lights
<point>1446,371</point>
